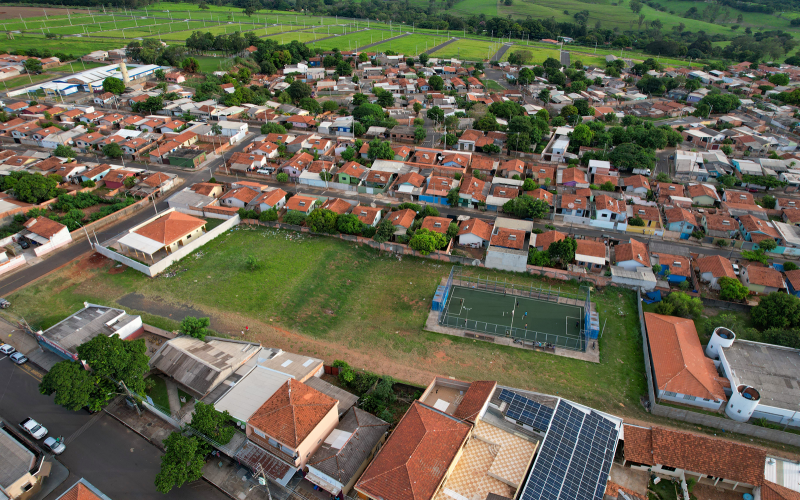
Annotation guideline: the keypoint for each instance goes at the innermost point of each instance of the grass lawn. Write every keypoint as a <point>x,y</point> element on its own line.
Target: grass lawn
<point>469,50</point>
<point>72,45</point>
<point>410,45</point>
<point>664,490</point>
<point>185,397</point>
<point>159,391</point>
<point>300,36</point>
<point>493,85</point>
<point>210,64</point>
<point>350,42</point>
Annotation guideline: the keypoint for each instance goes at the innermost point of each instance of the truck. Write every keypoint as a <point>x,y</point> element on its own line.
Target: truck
<point>642,171</point>
<point>33,428</point>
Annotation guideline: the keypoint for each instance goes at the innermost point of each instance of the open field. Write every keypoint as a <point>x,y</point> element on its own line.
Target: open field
<point>350,42</point>
<point>75,46</point>
<point>300,36</point>
<point>410,45</point>
<point>749,19</point>
<point>13,12</point>
<point>210,64</point>
<point>468,50</point>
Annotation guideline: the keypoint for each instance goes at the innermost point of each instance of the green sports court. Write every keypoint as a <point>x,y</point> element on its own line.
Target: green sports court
<point>502,312</point>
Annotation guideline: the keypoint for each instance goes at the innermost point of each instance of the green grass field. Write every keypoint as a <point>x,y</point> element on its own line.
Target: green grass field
<point>300,36</point>
<point>410,45</point>
<point>469,50</point>
<point>76,46</point>
<point>351,42</point>
<point>210,64</point>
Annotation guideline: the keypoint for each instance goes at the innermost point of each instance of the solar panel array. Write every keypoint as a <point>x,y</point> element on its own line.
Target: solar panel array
<point>575,457</point>
<point>526,411</point>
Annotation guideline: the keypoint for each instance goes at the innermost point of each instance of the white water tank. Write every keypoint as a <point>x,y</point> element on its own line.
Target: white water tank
<point>722,338</point>
<point>742,403</point>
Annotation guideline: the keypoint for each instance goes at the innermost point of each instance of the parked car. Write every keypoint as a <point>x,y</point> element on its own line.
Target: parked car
<point>18,358</point>
<point>33,428</point>
<point>7,349</point>
<point>736,269</point>
<point>4,304</point>
<point>56,446</point>
<point>24,244</point>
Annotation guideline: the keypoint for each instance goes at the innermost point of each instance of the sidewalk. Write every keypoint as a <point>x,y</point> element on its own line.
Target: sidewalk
<point>24,343</point>
<point>148,425</point>
<point>58,474</point>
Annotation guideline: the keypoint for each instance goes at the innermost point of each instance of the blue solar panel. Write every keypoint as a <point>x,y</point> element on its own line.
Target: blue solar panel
<point>574,459</point>
<point>526,411</point>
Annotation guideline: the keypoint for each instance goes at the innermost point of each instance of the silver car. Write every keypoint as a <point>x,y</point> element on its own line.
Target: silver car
<point>7,349</point>
<point>56,446</point>
<point>18,358</point>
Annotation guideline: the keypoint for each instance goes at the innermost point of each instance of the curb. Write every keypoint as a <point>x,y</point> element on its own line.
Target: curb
<point>134,430</point>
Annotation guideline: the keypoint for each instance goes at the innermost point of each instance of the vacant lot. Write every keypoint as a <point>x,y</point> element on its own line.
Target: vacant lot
<point>336,300</point>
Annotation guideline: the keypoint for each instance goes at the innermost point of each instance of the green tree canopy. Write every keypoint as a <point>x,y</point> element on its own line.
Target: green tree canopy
<point>112,150</point>
<point>195,327</point>
<point>425,241</point>
<point>385,231</point>
<point>298,90</point>
<point>380,150</point>
<point>563,251</point>
<point>349,224</point>
<point>322,220</point>
<point>212,423</point>
<point>182,461</point>
<point>76,387</point>
<point>629,156</point>
<point>527,207</point>
<point>64,151</point>
<point>732,289</point>
<point>680,304</point>
<point>272,128</point>
<point>116,359</point>
<point>777,310</point>
<point>35,188</point>
<point>113,85</point>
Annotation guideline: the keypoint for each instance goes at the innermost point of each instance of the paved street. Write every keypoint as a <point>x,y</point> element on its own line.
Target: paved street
<point>116,460</point>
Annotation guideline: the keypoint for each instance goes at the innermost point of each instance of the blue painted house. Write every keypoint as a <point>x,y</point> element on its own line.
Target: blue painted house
<point>676,268</point>
<point>681,221</point>
<point>793,282</point>
<point>756,230</point>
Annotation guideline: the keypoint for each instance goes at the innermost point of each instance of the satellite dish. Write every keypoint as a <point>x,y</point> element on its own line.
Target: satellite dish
<point>571,205</point>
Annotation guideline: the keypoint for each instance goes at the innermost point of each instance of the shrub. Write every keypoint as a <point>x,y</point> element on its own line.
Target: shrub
<point>88,184</point>
<point>282,177</point>
<point>294,218</point>
<point>268,215</point>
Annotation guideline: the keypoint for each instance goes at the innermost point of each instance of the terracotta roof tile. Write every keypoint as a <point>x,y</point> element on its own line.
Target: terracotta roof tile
<point>243,194</point>
<point>645,212</point>
<point>678,359</point>
<point>633,250</point>
<point>678,214</point>
<point>292,413</point>
<point>601,179</point>
<point>573,175</point>
<point>605,202</point>
<point>719,222</point>
<point>753,224</point>
<point>502,191</point>
<point>366,214</point>
<point>547,238</point>
<point>79,492</point>
<point>772,491</point>
<point>301,203</point>
<point>478,227</point>
<point>682,268</point>
<point>337,205</point>
<point>508,238</point>
<point>170,228</point>
<point>637,181</point>
<point>591,248</point>
<point>43,226</point>
<point>475,399</point>
<point>716,265</point>
<point>541,194</point>
<point>766,276</point>
<point>416,457</point>
<point>437,224</point>
<point>403,218</point>
<point>701,190</point>
<point>696,453</point>
<point>572,202</point>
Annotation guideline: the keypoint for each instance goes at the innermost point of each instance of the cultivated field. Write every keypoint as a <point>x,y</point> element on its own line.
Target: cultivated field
<point>336,300</point>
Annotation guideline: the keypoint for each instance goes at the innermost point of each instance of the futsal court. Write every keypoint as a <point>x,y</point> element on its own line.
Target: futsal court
<point>508,314</point>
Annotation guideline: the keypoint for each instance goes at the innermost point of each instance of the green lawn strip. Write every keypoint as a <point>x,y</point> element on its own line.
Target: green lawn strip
<point>493,85</point>
<point>158,393</point>
<point>410,45</point>
<point>469,50</point>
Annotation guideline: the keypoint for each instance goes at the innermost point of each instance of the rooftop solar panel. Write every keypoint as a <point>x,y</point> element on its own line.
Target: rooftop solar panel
<point>575,458</point>
<point>526,411</point>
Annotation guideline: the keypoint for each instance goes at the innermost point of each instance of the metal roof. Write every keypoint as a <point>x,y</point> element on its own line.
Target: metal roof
<point>248,394</point>
<point>15,459</point>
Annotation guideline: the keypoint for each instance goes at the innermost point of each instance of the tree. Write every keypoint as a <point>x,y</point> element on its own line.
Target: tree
<point>160,74</point>
<point>112,150</point>
<point>129,182</point>
<point>330,106</point>
<point>790,266</point>
<point>452,197</point>
<point>419,133</point>
<point>195,327</point>
<point>33,66</point>
<point>563,251</point>
<point>491,148</point>
<point>385,231</point>
<point>113,85</point>
<point>214,424</point>
<point>273,128</point>
<point>322,220</point>
<point>268,215</point>
<point>526,207</point>
<point>425,241</point>
<point>151,105</point>
<point>282,177</point>
<point>75,387</point>
<point>64,151</point>
<point>436,114</point>
<point>436,82</point>
<point>629,156</point>
<point>768,201</point>
<point>529,185</point>
<point>349,224</point>
<point>115,359</point>
<point>385,98</point>
<point>727,150</point>
<point>298,90</point>
<point>250,10</point>
<point>779,79</point>
<point>537,258</point>
<point>190,65</point>
<point>35,188</point>
<point>732,289</point>
<point>294,218</point>
<point>310,104</point>
<point>777,310</point>
<point>380,150</point>
<point>681,304</point>
<point>359,129</point>
<point>181,463</point>
<point>582,135</point>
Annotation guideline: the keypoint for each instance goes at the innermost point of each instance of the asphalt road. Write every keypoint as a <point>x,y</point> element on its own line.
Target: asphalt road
<point>110,456</point>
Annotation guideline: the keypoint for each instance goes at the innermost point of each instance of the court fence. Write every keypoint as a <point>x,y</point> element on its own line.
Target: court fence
<point>531,338</point>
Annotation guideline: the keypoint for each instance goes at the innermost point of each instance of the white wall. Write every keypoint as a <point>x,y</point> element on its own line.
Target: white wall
<point>699,402</point>
<point>58,240</point>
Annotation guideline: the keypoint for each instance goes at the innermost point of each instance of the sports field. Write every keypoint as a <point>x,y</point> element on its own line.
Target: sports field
<point>507,315</point>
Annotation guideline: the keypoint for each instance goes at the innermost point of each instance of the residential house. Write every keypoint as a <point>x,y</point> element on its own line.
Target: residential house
<point>636,184</point>
<point>574,177</point>
<point>542,241</point>
<point>95,174</point>
<point>681,221</point>
<point>609,209</point>
<point>702,194</point>
<point>116,178</point>
<point>757,230</point>
<point>351,173</point>
<point>510,168</point>
<point>45,234</point>
<point>436,224</point>
<point>591,255</point>
<point>425,439</point>
<point>474,233</point>
<point>297,164</point>
<point>467,140</point>
<point>301,122</point>
<point>676,268</point>
<point>573,205</point>
<point>763,280</point>
<point>337,206</point>
<point>300,203</point>
<point>156,184</point>
<point>239,197</point>
<point>378,178</point>
<point>293,423</point>
<point>649,215</point>
<point>402,220</point>
<point>714,267</point>
<point>472,191</point>
<point>211,189</point>
<point>367,215</point>
<point>793,282</point>
<point>682,372</point>
<point>632,255</point>
<point>719,225</point>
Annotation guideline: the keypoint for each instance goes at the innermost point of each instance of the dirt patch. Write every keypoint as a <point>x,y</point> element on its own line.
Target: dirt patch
<point>14,12</point>
<point>158,307</point>
<point>95,261</point>
<point>119,268</point>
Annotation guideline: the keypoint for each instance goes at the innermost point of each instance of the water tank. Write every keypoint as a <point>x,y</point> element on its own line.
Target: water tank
<point>722,338</point>
<point>742,403</point>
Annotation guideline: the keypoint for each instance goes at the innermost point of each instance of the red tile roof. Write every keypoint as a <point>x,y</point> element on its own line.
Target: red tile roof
<point>475,399</point>
<point>547,238</point>
<point>294,203</point>
<point>682,268</point>
<point>541,194</point>
<point>170,228</point>
<point>573,175</point>
<point>437,224</point>
<point>292,413</point>
<point>633,250</point>
<point>678,214</point>
<point>81,492</point>
<point>716,265</point>
<point>637,181</point>
<point>509,238</point>
<point>366,214</point>
<point>772,491</point>
<point>337,205</point>
<point>695,453</point>
<point>591,248</point>
<point>716,222</point>
<point>765,276</point>
<point>605,202</point>
<point>701,190</point>
<point>678,359</point>
<point>478,227</point>
<point>43,227</point>
<point>416,457</point>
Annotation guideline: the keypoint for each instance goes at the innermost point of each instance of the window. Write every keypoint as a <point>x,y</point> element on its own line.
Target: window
<point>671,469</point>
<point>259,433</point>
<point>689,398</point>
<point>670,394</point>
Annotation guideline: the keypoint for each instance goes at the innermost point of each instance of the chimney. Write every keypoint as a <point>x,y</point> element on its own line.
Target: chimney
<point>124,70</point>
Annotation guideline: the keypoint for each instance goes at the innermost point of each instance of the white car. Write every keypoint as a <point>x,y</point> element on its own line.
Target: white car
<point>18,358</point>
<point>736,269</point>
<point>7,349</point>
<point>56,446</point>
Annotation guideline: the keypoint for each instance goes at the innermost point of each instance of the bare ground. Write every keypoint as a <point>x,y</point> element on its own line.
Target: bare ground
<point>8,12</point>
